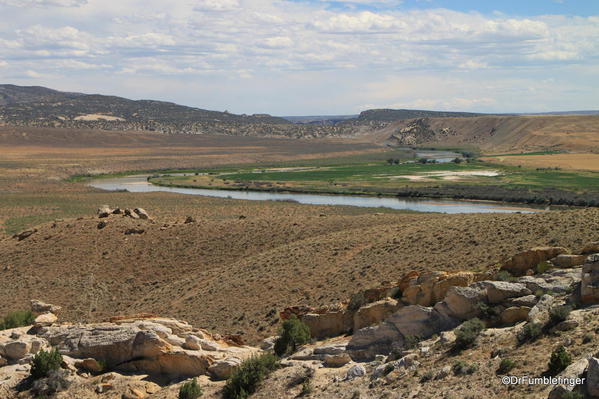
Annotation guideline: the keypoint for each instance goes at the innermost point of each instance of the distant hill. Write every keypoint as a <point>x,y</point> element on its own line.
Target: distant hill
<point>389,115</point>
<point>38,104</point>
<point>320,119</point>
<point>11,95</point>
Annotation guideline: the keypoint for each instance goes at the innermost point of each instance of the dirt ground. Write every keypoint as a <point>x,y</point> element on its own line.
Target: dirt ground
<point>241,262</point>
<point>572,161</point>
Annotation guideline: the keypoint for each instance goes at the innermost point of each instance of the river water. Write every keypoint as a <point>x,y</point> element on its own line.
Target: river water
<point>139,184</point>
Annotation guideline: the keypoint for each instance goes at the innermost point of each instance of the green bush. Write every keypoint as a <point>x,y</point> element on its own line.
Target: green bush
<point>428,376</point>
<point>487,312</point>
<point>245,379</point>
<point>530,332</point>
<point>560,359</point>
<point>45,362</point>
<point>16,319</point>
<point>190,390</point>
<point>542,267</point>
<point>463,368</point>
<point>307,388</point>
<point>504,275</point>
<point>466,335</point>
<point>557,314</point>
<point>293,334</point>
<point>572,395</point>
<point>506,366</point>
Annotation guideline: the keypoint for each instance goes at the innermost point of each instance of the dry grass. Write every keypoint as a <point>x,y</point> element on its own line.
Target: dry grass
<point>573,161</point>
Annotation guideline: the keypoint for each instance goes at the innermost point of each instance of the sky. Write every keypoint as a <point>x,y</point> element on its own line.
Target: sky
<point>311,57</point>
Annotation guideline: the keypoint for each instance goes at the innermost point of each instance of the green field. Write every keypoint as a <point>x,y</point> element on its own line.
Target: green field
<point>381,176</point>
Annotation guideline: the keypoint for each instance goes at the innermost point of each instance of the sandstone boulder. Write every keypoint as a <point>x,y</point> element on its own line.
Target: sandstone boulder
<point>112,344</point>
<point>499,291</point>
<point>333,349</point>
<point>527,300</point>
<point>89,364</point>
<point>104,211</point>
<point>568,261</point>
<point>16,350</point>
<point>514,314</point>
<point>141,213</point>
<point>175,364</point>
<point>573,371</point>
<point>42,307</point>
<point>592,381</point>
<point>409,322</point>
<point>222,369</point>
<point>24,234</point>
<point>540,312</point>
<point>589,287</point>
<point>355,371</point>
<point>590,248</point>
<point>337,360</point>
<point>374,313</point>
<point>520,263</point>
<point>45,319</point>
<point>328,324</point>
<point>464,302</point>
<point>460,279</point>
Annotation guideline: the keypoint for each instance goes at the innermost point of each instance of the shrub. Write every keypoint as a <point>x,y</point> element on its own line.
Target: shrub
<point>530,332</point>
<point>587,338</point>
<point>306,388</point>
<point>560,359</point>
<point>504,275</point>
<point>463,368</point>
<point>293,333</point>
<point>466,335</point>
<point>506,366</point>
<point>411,341</point>
<point>542,267</point>
<point>557,314</point>
<point>45,362</point>
<point>16,319</point>
<point>54,382</point>
<point>190,390</point>
<point>426,376</point>
<point>245,379</point>
<point>571,395</point>
<point>487,312</point>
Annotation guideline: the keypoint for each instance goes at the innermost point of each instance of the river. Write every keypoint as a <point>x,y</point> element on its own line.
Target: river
<point>139,184</point>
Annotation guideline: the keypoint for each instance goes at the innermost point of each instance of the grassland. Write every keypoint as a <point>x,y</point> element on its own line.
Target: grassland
<point>381,178</point>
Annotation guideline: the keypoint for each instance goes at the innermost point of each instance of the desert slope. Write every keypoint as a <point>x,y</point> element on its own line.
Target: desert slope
<point>232,275</point>
<point>496,134</point>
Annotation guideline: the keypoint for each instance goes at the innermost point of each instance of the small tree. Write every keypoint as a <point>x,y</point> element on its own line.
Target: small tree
<point>466,335</point>
<point>557,314</point>
<point>247,377</point>
<point>506,366</point>
<point>560,359</point>
<point>190,390</point>
<point>293,334</point>
<point>44,362</point>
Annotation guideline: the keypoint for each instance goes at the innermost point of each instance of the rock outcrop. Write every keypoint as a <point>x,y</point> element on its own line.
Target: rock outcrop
<point>520,263</point>
<point>589,287</point>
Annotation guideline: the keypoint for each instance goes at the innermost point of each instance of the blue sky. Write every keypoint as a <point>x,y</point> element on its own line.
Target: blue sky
<point>294,57</point>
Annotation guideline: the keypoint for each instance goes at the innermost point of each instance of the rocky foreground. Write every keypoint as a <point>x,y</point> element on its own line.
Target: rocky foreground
<point>398,340</point>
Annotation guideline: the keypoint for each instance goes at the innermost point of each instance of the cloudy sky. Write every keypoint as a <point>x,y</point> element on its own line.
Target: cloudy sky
<point>311,57</point>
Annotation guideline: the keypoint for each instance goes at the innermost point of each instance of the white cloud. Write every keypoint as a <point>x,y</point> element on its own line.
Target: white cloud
<point>3,64</point>
<point>235,42</point>
<point>217,5</point>
<point>44,3</point>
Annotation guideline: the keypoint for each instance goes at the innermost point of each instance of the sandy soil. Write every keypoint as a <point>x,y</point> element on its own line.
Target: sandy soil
<point>576,161</point>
